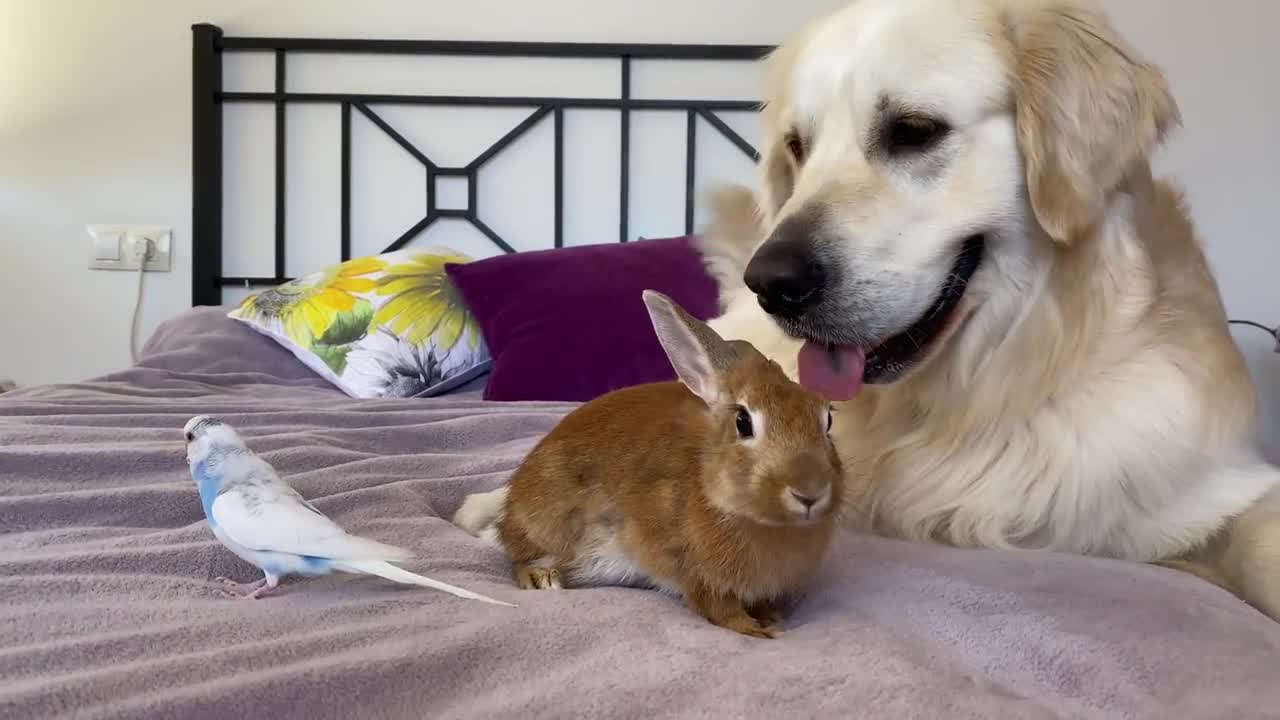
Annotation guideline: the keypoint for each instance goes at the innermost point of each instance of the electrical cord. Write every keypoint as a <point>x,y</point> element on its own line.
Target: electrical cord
<point>1273,332</point>
<point>1260,326</point>
<point>142,250</point>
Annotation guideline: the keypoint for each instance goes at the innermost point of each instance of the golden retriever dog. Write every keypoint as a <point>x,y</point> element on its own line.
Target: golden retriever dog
<point>958,235</point>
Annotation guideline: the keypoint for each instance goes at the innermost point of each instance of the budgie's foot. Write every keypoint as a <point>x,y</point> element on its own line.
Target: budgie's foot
<point>529,577</point>
<point>244,591</point>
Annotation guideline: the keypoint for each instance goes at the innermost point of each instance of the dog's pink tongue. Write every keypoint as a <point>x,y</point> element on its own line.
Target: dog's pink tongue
<point>833,371</point>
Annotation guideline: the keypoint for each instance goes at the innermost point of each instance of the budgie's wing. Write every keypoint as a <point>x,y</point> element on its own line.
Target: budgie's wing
<point>279,520</point>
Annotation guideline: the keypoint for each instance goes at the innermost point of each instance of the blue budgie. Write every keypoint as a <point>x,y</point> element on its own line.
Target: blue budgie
<point>264,521</point>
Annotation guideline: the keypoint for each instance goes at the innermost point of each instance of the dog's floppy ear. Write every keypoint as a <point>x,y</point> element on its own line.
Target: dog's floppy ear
<point>1088,109</point>
<point>728,241</point>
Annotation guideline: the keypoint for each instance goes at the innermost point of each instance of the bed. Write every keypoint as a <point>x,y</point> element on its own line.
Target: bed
<point>107,567</point>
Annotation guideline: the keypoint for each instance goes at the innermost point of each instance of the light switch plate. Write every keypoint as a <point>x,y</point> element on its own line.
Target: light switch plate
<point>107,243</point>
<point>123,239</point>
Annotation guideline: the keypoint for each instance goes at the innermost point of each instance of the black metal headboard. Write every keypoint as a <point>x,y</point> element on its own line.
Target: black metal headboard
<point>210,46</point>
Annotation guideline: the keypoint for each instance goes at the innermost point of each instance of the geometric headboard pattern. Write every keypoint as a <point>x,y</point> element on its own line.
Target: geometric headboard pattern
<point>211,47</point>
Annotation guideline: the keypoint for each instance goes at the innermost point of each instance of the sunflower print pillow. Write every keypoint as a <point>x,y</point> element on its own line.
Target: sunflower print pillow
<point>385,326</point>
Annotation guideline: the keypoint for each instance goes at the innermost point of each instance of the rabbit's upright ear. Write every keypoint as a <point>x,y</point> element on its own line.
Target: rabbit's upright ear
<point>696,352</point>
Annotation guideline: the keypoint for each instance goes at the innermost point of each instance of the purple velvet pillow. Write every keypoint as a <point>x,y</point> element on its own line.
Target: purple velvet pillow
<point>569,324</point>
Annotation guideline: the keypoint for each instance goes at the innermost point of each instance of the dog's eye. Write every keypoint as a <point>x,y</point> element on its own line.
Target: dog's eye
<point>912,133</point>
<point>743,422</point>
<point>828,419</point>
<point>795,146</point>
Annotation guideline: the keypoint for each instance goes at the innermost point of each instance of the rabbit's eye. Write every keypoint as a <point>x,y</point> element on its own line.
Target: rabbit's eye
<point>743,421</point>
<point>828,419</point>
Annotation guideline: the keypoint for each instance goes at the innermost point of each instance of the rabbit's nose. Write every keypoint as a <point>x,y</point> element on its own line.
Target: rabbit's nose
<point>806,500</point>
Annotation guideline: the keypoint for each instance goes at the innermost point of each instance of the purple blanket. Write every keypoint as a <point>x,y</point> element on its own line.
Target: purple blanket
<point>109,609</point>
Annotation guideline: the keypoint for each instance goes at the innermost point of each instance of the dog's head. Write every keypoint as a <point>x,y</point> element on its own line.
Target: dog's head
<point>923,156</point>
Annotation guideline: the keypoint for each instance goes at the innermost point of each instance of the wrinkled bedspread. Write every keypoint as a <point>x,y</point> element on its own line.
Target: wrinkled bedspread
<point>109,608</point>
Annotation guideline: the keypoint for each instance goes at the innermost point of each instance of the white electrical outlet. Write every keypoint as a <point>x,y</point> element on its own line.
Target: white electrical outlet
<point>114,247</point>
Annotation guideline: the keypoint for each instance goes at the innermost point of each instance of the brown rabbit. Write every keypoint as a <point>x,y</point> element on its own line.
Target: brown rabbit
<point>721,487</point>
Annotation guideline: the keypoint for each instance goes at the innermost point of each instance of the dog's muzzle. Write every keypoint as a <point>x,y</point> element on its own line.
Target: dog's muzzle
<point>785,273</point>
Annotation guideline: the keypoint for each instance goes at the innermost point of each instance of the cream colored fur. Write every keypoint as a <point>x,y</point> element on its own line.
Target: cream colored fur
<point>1091,400</point>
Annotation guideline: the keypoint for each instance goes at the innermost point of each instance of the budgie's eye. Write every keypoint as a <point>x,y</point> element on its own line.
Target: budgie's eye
<point>191,436</point>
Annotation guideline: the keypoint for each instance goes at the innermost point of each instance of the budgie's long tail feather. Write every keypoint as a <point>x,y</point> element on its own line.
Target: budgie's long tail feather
<point>354,547</point>
<point>388,571</point>
<point>481,510</point>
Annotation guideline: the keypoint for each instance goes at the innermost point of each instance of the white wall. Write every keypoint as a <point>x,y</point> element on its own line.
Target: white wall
<point>95,122</point>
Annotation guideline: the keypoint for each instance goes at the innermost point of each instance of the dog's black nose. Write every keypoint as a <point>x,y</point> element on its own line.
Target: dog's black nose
<point>784,274</point>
